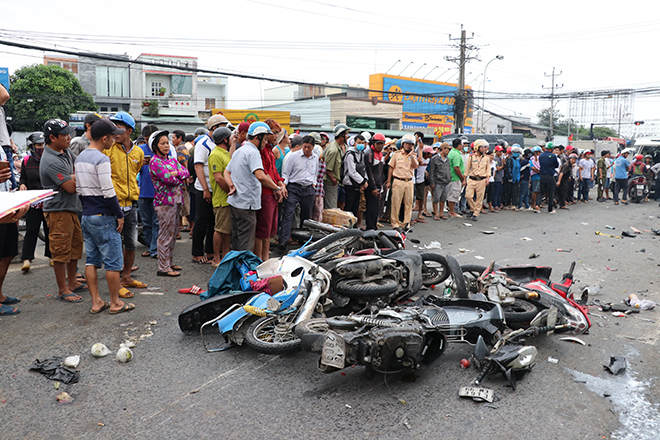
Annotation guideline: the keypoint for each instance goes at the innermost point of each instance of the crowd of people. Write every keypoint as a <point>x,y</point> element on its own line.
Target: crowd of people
<point>247,187</point>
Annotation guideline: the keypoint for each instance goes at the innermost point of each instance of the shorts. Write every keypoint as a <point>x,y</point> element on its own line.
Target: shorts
<point>454,189</point>
<point>129,234</point>
<point>536,185</point>
<point>185,202</point>
<point>65,236</point>
<point>607,183</point>
<point>419,191</point>
<point>222,219</point>
<point>440,192</point>
<point>102,242</point>
<point>267,217</point>
<point>363,203</point>
<point>8,240</point>
<point>341,195</point>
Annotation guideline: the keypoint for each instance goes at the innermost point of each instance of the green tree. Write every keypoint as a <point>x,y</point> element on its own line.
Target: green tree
<point>39,93</point>
<point>544,117</point>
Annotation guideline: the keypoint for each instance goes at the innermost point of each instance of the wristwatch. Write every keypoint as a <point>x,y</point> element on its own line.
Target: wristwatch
<point>278,189</point>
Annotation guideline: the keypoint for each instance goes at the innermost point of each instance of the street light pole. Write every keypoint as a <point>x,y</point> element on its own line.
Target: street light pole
<point>483,90</point>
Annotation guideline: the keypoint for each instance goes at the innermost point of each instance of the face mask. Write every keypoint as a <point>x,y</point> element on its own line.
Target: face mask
<point>516,154</point>
<point>465,149</point>
<point>359,147</point>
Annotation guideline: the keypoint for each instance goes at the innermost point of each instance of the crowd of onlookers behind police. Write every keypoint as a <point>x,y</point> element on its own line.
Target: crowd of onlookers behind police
<point>241,188</point>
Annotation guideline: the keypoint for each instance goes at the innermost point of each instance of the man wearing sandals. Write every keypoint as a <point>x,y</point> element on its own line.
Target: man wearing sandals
<point>126,159</point>
<point>61,212</point>
<point>103,218</point>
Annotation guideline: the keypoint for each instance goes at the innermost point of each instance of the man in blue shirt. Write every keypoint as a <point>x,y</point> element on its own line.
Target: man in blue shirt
<point>548,163</point>
<point>621,167</point>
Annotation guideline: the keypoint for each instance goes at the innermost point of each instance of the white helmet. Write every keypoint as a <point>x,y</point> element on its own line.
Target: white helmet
<point>408,139</point>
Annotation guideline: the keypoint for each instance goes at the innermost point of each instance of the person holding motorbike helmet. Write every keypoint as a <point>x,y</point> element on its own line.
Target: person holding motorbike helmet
<point>34,218</point>
<point>245,175</point>
<point>400,177</point>
<point>334,155</point>
<point>478,171</point>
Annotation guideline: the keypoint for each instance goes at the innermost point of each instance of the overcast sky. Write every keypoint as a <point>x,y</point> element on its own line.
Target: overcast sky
<point>595,46</point>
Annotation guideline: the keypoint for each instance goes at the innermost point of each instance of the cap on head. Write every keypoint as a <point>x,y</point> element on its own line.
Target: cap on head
<point>428,149</point>
<point>57,126</point>
<point>243,127</point>
<point>124,118</point>
<point>508,150</point>
<point>90,118</point>
<point>105,127</point>
<point>220,134</point>
<point>499,148</point>
<point>366,135</point>
<point>549,146</point>
<point>36,138</point>
<point>216,120</point>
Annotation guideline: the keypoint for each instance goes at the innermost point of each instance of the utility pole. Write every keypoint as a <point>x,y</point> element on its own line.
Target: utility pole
<point>552,99</point>
<point>461,60</point>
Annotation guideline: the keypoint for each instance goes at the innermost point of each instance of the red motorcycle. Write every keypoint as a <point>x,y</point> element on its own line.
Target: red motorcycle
<point>527,294</point>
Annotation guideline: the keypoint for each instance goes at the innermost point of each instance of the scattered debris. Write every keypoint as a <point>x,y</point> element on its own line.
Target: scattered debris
<point>610,227</point>
<point>479,257</point>
<point>564,250</point>
<point>151,293</point>
<point>348,406</point>
<point>610,269</point>
<point>54,370</point>
<point>635,230</point>
<point>655,231</point>
<point>487,232</point>
<point>619,314</point>
<point>553,360</point>
<point>72,361</point>
<point>584,223</point>
<point>608,235</point>
<point>167,314</point>
<point>643,304</point>
<point>128,344</point>
<point>534,256</point>
<point>126,324</point>
<point>477,394</point>
<point>434,245</point>
<point>526,239</point>
<point>154,288</point>
<point>100,350</point>
<point>124,354</point>
<point>406,424</point>
<point>64,397</point>
<point>641,251</point>
<point>467,224</point>
<point>57,385</point>
<point>573,339</point>
<point>617,365</point>
<point>463,250</point>
<point>465,364</point>
<point>627,234</point>
<point>402,402</point>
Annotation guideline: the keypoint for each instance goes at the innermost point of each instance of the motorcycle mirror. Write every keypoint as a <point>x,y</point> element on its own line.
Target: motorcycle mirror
<point>414,240</point>
<point>297,271</point>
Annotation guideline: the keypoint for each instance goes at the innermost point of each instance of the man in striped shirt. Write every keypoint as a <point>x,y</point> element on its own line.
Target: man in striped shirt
<point>103,218</point>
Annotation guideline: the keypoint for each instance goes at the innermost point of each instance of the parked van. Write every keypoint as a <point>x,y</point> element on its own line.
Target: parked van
<point>648,145</point>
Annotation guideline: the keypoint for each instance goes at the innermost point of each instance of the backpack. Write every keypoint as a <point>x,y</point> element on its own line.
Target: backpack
<point>359,167</point>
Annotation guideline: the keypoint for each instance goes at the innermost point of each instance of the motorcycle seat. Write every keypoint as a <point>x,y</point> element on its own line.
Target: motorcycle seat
<point>560,288</point>
<point>370,234</point>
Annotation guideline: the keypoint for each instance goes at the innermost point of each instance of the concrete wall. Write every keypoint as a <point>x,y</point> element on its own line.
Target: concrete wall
<point>364,108</point>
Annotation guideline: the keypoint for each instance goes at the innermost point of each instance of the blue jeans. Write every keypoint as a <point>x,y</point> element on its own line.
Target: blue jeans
<point>149,224</point>
<point>584,189</point>
<point>523,199</point>
<point>102,242</point>
<point>498,189</point>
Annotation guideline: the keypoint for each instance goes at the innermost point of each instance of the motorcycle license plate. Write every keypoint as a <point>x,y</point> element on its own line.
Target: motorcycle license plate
<point>479,394</point>
<point>334,350</point>
<point>640,190</point>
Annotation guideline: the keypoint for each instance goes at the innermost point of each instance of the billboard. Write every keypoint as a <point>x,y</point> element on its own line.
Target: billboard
<point>4,77</point>
<point>238,116</point>
<point>434,110</point>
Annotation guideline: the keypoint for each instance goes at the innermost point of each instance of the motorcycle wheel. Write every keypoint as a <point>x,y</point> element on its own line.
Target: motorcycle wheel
<point>459,286</point>
<point>435,269</point>
<point>470,274</point>
<point>632,195</point>
<point>356,288</point>
<point>273,335</point>
<point>333,244</point>
<point>520,312</point>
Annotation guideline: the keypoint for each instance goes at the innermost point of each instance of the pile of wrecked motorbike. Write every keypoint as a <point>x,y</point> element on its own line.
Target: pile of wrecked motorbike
<point>360,298</point>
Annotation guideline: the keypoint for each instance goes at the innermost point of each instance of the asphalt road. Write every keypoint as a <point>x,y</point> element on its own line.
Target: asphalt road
<point>173,389</point>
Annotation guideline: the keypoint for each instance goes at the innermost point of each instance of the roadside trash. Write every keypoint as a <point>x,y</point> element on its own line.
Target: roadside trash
<point>641,251</point>
<point>151,292</point>
<point>534,256</point>
<point>643,304</point>
<point>477,394</point>
<point>619,314</point>
<point>467,224</point>
<point>487,232</point>
<point>573,339</point>
<point>553,360</point>
<point>564,250</point>
<point>54,370</point>
<point>655,231</point>
<point>127,343</point>
<point>434,245</point>
<point>617,365</point>
<point>194,290</point>
<point>584,223</point>
<point>635,230</point>
<point>126,324</point>
<point>479,257</point>
<point>610,227</point>
<point>526,239</point>
<point>100,350</point>
<point>154,288</point>
<point>71,361</point>
<point>627,234</point>
<point>64,397</point>
<point>610,269</point>
<point>465,364</point>
<point>348,406</point>
<point>591,290</point>
<point>607,235</point>
<point>463,250</point>
<point>124,354</point>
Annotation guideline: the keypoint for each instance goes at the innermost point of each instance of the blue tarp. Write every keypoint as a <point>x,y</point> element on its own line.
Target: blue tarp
<point>226,277</point>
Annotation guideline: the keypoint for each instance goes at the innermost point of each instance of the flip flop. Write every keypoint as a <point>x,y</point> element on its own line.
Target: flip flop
<point>136,284</point>
<point>134,268</point>
<point>421,220</point>
<point>6,310</point>
<point>171,273</point>
<point>127,307</point>
<point>69,295</point>
<point>11,300</point>
<point>145,254</point>
<point>194,290</point>
<point>175,267</point>
<point>125,293</point>
<point>202,260</point>
<point>81,288</point>
<point>105,306</point>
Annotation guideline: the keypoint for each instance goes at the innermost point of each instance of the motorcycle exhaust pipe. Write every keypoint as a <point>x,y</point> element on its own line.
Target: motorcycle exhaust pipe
<point>312,300</point>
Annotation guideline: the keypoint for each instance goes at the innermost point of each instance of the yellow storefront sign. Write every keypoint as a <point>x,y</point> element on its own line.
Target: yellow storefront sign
<point>238,116</point>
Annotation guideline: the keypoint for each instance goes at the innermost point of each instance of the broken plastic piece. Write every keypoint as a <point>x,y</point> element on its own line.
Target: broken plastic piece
<point>553,360</point>
<point>54,370</point>
<point>479,257</point>
<point>64,397</point>
<point>573,339</point>
<point>564,250</point>
<point>72,361</point>
<point>467,224</point>
<point>534,256</point>
<point>627,234</point>
<point>635,230</point>
<point>465,363</point>
<point>617,365</point>
<point>487,232</point>
<point>434,245</point>
<point>526,239</point>
<point>610,227</point>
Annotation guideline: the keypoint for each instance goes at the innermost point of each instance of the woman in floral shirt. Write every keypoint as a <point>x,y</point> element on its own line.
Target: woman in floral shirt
<point>168,177</point>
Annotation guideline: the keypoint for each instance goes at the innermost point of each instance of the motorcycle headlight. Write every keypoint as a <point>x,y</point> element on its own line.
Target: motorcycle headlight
<point>272,305</point>
<point>526,356</point>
